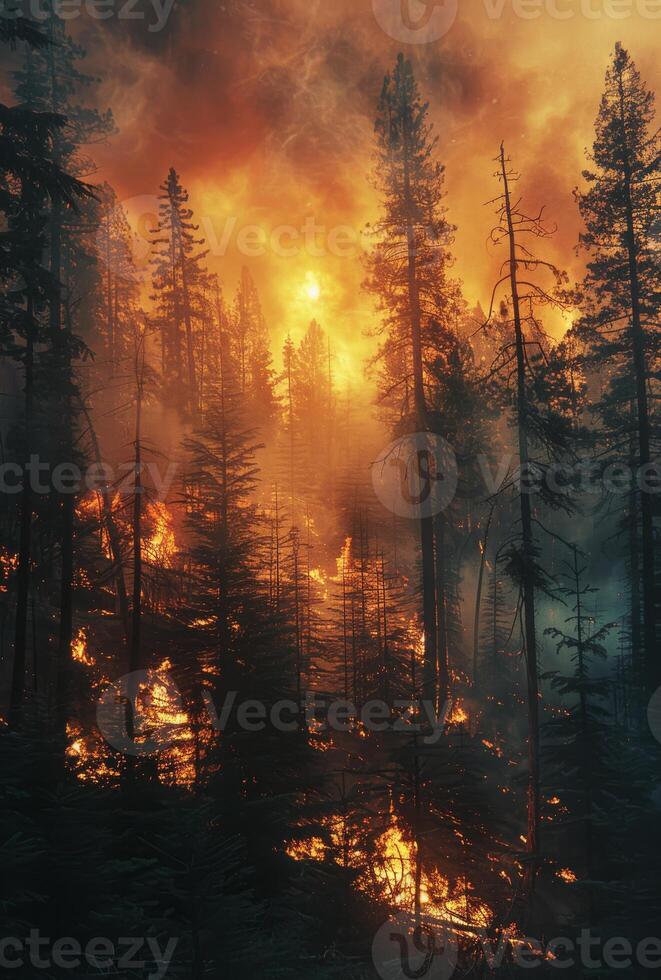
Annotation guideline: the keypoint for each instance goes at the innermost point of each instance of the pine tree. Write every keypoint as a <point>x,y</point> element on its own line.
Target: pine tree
<point>50,81</point>
<point>408,272</point>
<point>583,748</point>
<point>543,436</point>
<point>620,302</point>
<point>119,287</point>
<point>251,350</point>
<point>179,280</point>
<point>31,180</point>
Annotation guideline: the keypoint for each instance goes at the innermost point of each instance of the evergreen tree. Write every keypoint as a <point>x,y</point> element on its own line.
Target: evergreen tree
<point>407,270</point>
<point>543,437</point>
<point>179,279</point>
<point>251,351</point>
<point>620,303</point>
<point>31,180</point>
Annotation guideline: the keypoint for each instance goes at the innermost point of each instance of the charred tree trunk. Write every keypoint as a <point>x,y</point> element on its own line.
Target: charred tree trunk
<point>478,600</point>
<point>527,553</point>
<point>188,325</point>
<point>443,642</point>
<point>112,532</point>
<point>426,523</point>
<point>25,538</point>
<point>639,355</point>
<point>134,768</point>
<point>61,350</point>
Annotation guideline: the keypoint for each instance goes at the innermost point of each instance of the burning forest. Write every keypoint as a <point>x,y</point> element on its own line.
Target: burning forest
<point>329,568</point>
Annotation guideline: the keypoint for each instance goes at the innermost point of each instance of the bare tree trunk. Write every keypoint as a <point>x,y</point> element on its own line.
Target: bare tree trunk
<point>111,529</point>
<point>528,556</point>
<point>442,646</point>
<point>386,648</point>
<point>175,352</point>
<point>63,366</point>
<point>426,523</point>
<point>25,539</point>
<point>135,651</point>
<point>478,599</point>
<point>638,651</point>
<point>192,378</point>
<point>652,659</point>
<point>297,617</point>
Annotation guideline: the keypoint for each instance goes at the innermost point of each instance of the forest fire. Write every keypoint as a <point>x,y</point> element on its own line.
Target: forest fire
<point>396,873</point>
<point>79,650</point>
<point>256,704</point>
<point>458,714</point>
<point>343,561</point>
<point>391,875</point>
<point>8,565</point>
<point>160,547</point>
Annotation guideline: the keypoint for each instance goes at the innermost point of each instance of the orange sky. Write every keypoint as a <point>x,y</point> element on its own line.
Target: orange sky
<point>267,109</point>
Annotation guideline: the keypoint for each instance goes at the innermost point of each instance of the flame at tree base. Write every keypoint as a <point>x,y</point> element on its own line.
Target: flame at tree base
<point>390,875</point>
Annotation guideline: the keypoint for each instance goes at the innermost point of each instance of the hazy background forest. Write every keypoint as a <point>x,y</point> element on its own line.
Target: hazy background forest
<point>330,598</point>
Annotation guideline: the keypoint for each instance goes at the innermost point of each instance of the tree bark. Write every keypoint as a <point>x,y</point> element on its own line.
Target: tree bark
<point>426,523</point>
<point>25,541</point>
<point>528,555</point>
<point>652,660</point>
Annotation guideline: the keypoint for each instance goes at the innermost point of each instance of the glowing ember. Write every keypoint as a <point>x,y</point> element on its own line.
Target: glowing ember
<point>566,874</point>
<point>161,547</point>
<point>344,560</point>
<point>8,564</point>
<point>391,874</point>
<point>458,714</point>
<point>79,649</point>
<point>87,756</point>
<point>492,747</point>
<point>312,849</point>
<point>317,576</point>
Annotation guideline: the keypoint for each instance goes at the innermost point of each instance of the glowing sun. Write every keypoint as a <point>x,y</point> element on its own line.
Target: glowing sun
<point>312,289</point>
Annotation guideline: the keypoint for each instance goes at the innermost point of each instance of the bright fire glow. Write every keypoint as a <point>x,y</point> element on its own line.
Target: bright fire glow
<point>312,288</point>
<point>79,649</point>
<point>391,875</point>
<point>161,547</point>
